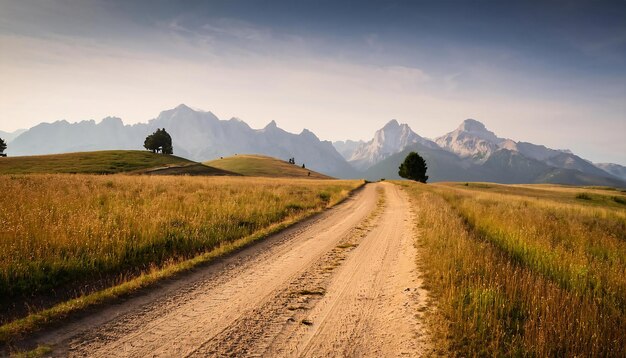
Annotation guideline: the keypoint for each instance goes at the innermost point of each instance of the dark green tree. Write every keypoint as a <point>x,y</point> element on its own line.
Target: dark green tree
<point>159,142</point>
<point>3,146</point>
<point>414,168</point>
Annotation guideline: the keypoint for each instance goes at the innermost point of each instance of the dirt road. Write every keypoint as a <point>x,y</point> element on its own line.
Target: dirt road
<point>342,284</point>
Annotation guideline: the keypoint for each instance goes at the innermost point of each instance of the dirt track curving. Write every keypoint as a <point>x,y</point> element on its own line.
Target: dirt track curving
<point>342,284</point>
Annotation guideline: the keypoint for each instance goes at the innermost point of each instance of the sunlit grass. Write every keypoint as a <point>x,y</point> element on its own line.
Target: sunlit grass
<point>61,232</point>
<point>525,270</point>
<point>263,166</point>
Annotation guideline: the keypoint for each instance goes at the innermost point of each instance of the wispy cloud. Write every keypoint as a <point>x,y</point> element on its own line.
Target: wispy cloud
<point>338,76</point>
<point>238,29</point>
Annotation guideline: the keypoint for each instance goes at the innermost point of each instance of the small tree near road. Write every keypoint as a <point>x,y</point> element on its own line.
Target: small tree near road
<point>159,142</point>
<point>414,168</point>
<point>3,147</point>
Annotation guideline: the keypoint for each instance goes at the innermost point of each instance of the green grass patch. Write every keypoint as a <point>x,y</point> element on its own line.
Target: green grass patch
<point>40,351</point>
<point>619,200</point>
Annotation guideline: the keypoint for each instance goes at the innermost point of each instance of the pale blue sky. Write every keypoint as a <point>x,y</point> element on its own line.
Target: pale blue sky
<point>549,72</point>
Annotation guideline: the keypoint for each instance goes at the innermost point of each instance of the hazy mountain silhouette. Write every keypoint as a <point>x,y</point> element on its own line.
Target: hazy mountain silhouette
<point>9,136</point>
<point>347,147</point>
<point>616,170</point>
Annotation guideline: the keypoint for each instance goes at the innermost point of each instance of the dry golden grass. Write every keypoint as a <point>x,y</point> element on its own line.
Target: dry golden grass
<point>80,232</point>
<point>528,271</point>
<point>254,165</point>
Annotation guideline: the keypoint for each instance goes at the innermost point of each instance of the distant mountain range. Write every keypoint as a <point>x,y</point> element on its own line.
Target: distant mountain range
<point>473,153</point>
<point>197,135</point>
<point>616,170</point>
<point>469,153</point>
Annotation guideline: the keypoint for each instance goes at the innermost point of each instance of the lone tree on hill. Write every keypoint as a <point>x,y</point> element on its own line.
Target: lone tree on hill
<point>3,147</point>
<point>414,168</point>
<point>159,142</point>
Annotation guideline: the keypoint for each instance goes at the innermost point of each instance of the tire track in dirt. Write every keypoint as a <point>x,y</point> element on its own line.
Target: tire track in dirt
<point>372,304</point>
<point>258,333</point>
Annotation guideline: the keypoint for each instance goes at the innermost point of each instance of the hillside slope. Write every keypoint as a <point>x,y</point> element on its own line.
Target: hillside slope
<point>263,166</point>
<point>191,169</point>
<point>100,162</point>
<point>616,170</point>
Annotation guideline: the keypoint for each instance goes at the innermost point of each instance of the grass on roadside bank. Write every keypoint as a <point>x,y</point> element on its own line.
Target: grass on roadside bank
<point>523,271</point>
<point>138,229</point>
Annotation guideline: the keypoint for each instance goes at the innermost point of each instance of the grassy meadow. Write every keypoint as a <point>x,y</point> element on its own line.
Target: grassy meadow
<point>524,270</point>
<point>64,235</point>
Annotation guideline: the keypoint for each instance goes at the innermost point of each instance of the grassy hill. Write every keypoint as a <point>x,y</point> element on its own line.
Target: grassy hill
<point>262,166</point>
<point>192,169</point>
<point>100,162</point>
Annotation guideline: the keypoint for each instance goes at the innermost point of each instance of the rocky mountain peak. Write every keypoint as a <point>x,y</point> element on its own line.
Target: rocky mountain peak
<point>477,129</point>
<point>392,124</point>
<point>388,140</point>
<point>308,134</point>
<point>473,140</point>
<point>183,107</point>
<point>472,125</point>
<point>271,125</point>
<point>181,111</point>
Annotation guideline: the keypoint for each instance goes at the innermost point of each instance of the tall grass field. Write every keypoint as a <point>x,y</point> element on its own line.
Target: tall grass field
<point>523,270</point>
<point>65,235</point>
